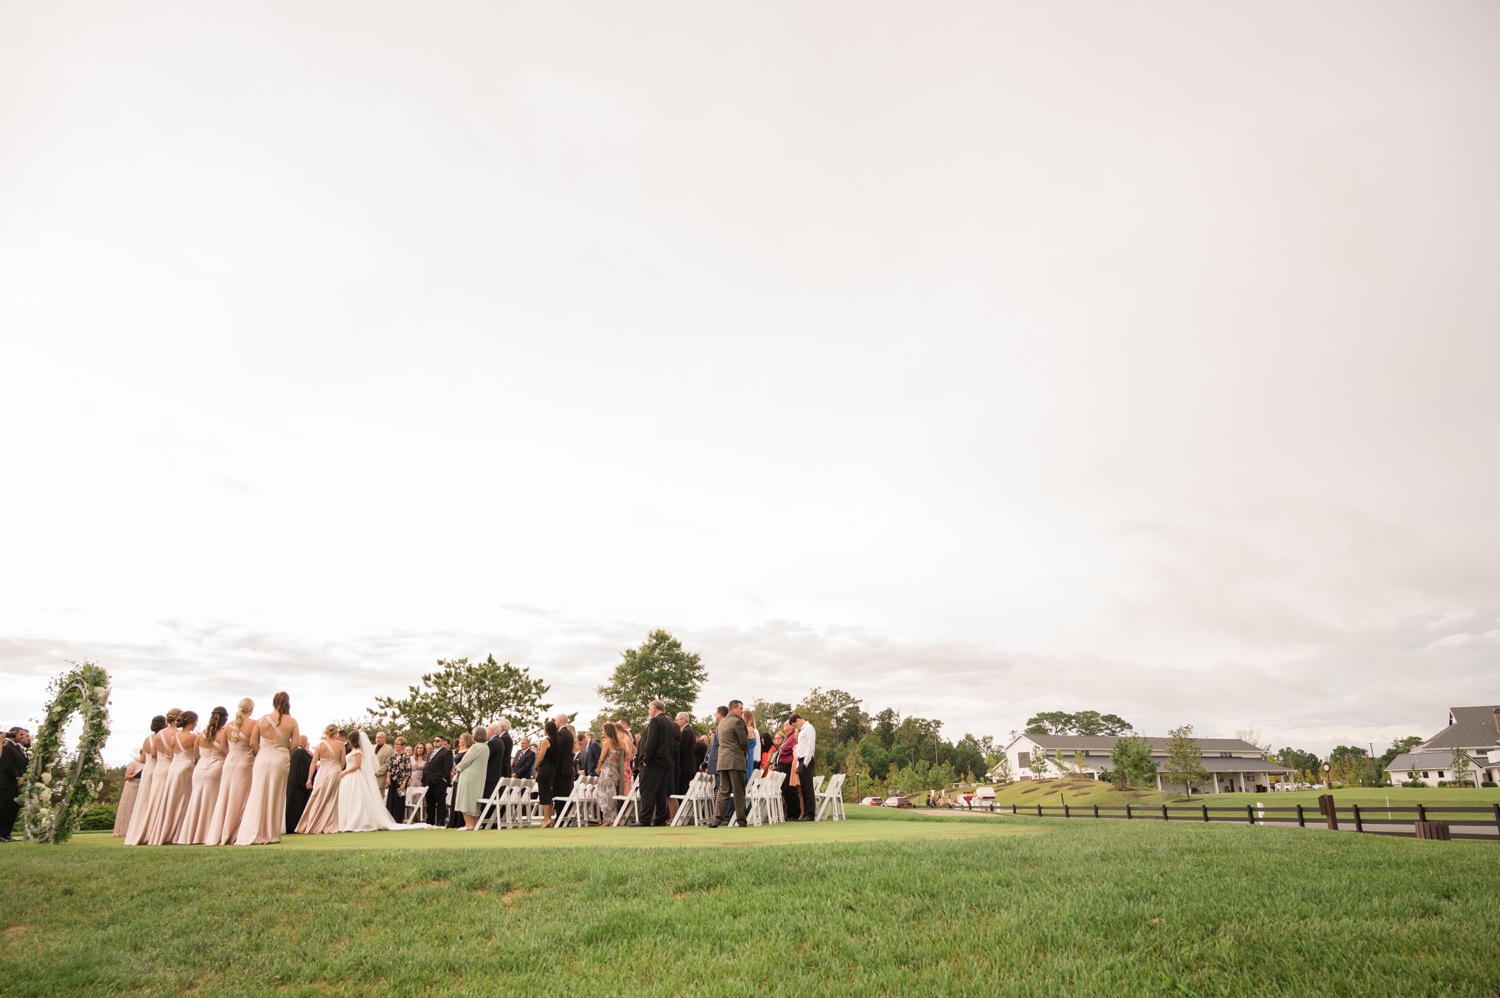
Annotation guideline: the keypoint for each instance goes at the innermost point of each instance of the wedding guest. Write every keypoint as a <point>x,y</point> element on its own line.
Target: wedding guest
<point>769,758</point>
<point>265,808</point>
<point>627,746</point>
<point>382,760</point>
<point>128,791</point>
<point>567,772</point>
<point>469,790</point>
<point>168,821</point>
<point>13,763</point>
<point>700,753</point>
<point>589,755</point>
<point>234,784</point>
<point>296,783</point>
<point>734,742</point>
<point>687,759</point>
<point>321,816</point>
<point>135,829</point>
<point>523,767</point>
<point>206,777</point>
<point>791,794</point>
<point>658,745</point>
<point>435,773</point>
<point>498,766</point>
<point>547,760</point>
<point>806,753</point>
<point>611,768</point>
<point>397,776</point>
<point>465,743</point>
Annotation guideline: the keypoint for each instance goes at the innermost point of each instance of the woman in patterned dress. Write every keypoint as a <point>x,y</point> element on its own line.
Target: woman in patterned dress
<point>396,775</point>
<point>611,767</point>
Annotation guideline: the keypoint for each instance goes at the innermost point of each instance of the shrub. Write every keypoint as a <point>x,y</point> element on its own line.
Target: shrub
<point>99,818</point>
<point>1488,783</point>
<point>1414,784</point>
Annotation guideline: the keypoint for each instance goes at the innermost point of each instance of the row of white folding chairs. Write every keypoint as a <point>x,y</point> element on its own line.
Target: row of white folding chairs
<point>765,803</point>
<point>510,805</point>
<point>581,805</point>
<point>831,800</point>
<point>697,805</point>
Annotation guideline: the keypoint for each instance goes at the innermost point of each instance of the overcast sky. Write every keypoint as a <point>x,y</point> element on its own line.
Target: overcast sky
<point>974,358</point>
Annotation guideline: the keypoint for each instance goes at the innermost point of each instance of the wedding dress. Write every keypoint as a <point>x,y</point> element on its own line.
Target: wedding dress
<point>361,804</point>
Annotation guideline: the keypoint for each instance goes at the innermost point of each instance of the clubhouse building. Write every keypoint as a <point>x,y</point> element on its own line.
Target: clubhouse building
<point>1476,730</point>
<point>1233,765</point>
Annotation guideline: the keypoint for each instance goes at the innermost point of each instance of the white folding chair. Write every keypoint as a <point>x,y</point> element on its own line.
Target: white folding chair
<point>629,802</point>
<point>489,814</point>
<point>830,801</point>
<point>416,804</point>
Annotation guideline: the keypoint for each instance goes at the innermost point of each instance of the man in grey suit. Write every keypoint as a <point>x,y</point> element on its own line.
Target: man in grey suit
<point>734,746</point>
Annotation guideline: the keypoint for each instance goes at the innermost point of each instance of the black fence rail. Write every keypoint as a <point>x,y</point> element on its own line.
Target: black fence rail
<point>1466,822</point>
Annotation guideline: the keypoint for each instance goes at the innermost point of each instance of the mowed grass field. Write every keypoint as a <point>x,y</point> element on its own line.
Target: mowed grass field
<point>882,904</point>
<point>1088,792</point>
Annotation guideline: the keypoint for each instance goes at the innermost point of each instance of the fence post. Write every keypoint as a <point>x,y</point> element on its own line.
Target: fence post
<point>1497,810</point>
<point>1497,821</point>
<point>1301,818</point>
<point>1066,812</point>
<point>1164,813</point>
<point>1205,812</point>
<point>1421,812</point>
<point>1039,810</point>
<point>1359,824</point>
<point>1127,812</point>
<point>1325,804</point>
<point>1249,814</point>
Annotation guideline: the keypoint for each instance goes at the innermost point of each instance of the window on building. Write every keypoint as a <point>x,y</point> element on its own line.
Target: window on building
<point>1424,776</point>
<point>1440,774</point>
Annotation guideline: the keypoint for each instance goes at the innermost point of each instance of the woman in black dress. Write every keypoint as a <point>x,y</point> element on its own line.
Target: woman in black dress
<point>546,771</point>
<point>567,769</point>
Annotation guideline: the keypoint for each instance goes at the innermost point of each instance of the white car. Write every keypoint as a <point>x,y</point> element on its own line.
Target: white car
<point>872,801</point>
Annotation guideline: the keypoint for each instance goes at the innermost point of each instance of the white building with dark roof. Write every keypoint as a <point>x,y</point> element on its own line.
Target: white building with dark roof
<point>1233,764</point>
<point>1476,730</point>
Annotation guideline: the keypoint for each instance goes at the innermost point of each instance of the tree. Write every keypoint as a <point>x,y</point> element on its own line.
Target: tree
<point>1080,762</point>
<point>462,695</point>
<point>1300,761</point>
<point>1085,722</point>
<point>773,712</point>
<point>886,723</point>
<point>856,772</point>
<point>658,670</point>
<point>1184,759</point>
<point>1038,764</point>
<point>1001,772</point>
<point>1131,762</point>
<point>1399,746</point>
<point>1463,765</point>
<point>835,715</point>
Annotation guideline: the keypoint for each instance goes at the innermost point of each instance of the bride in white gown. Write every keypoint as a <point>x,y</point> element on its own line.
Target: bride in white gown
<point>361,806</point>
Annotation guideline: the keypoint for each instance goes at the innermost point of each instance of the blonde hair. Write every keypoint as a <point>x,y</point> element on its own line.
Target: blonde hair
<point>237,731</point>
<point>172,716</point>
<point>750,724</point>
<point>331,731</point>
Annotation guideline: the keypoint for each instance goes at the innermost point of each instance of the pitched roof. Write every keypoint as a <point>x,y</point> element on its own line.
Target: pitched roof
<point>1467,727</point>
<point>1107,742</point>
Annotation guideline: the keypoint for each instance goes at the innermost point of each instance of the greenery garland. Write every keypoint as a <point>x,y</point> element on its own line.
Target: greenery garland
<point>58,789</point>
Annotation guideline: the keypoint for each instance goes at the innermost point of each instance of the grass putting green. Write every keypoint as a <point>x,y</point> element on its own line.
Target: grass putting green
<point>927,906</point>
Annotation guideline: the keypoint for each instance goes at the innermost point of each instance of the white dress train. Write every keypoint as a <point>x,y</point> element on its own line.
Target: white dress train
<point>361,805</point>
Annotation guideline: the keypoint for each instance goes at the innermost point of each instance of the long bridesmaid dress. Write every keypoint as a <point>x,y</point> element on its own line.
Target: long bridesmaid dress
<point>234,787</point>
<point>265,809</point>
<point>179,790</point>
<point>321,816</point>
<point>158,799</point>
<point>200,810</point>
<point>135,834</point>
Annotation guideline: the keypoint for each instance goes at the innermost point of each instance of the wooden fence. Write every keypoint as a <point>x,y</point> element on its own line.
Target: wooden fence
<point>1481,822</point>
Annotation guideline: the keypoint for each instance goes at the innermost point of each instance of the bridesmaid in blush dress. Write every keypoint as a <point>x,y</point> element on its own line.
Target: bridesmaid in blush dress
<point>179,780</point>
<point>265,809</point>
<point>234,781</point>
<point>135,832</point>
<point>206,776</point>
<point>158,796</point>
<point>321,816</point>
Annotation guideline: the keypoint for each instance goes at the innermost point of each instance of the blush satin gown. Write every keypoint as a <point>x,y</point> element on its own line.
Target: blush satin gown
<point>265,809</point>
<point>135,832</point>
<point>234,787</point>
<point>321,816</point>
<point>200,810</point>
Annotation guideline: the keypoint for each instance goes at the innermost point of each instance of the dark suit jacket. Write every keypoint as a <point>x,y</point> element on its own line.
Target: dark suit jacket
<point>687,755</point>
<point>564,750</point>
<point>591,759</point>
<point>506,746</point>
<point>700,754</point>
<point>438,768</point>
<point>524,768</point>
<point>13,763</point>
<point>659,743</point>
<point>495,767</point>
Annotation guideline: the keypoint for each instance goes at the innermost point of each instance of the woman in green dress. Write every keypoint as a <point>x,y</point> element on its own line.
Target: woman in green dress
<point>470,789</point>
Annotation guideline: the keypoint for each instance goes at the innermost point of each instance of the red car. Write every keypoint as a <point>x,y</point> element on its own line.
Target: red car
<point>897,802</point>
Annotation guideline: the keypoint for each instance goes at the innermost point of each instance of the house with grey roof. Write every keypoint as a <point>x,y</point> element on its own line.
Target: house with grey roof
<point>1476,730</point>
<point>1233,764</point>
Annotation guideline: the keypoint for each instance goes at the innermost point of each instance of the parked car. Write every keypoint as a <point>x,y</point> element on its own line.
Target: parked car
<point>873,801</point>
<point>897,802</point>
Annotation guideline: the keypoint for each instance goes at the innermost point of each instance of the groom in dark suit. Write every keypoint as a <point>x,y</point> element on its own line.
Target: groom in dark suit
<point>13,763</point>
<point>296,784</point>
<point>435,776</point>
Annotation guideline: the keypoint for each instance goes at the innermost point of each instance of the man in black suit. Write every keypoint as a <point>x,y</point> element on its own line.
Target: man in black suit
<point>588,756</point>
<point>296,784</point>
<point>658,746</point>
<point>524,766</point>
<point>436,774</point>
<point>687,752</point>
<point>498,766</point>
<point>13,763</point>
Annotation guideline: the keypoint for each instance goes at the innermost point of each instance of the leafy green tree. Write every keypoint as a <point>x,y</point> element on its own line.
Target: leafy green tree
<point>1300,760</point>
<point>1039,764</point>
<point>1051,722</point>
<point>659,669</point>
<point>772,712</point>
<point>886,723</point>
<point>1131,763</point>
<point>1400,746</point>
<point>857,774</point>
<point>1184,759</point>
<point>835,714</point>
<point>462,695</point>
<point>1091,722</point>
<point>1001,772</point>
<point>1463,766</point>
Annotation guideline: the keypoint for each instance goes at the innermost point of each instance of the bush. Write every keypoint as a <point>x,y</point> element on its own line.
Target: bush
<point>1488,783</point>
<point>99,818</point>
<point>1414,784</point>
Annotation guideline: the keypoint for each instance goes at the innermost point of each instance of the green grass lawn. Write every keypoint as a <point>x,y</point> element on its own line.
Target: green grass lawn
<point>883,904</point>
<point>1052,793</point>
